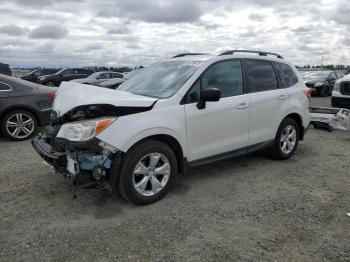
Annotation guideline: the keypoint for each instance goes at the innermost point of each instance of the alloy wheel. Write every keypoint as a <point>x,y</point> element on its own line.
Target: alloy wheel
<point>288,139</point>
<point>151,174</point>
<point>20,125</point>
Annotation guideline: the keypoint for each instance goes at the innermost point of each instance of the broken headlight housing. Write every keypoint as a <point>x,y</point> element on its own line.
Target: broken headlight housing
<point>84,130</point>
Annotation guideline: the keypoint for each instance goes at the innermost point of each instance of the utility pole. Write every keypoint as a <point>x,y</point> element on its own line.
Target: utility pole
<point>322,64</point>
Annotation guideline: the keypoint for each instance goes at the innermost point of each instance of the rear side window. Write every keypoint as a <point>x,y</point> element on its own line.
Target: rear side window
<point>5,87</point>
<point>86,71</point>
<point>261,76</point>
<point>287,75</point>
<point>116,75</point>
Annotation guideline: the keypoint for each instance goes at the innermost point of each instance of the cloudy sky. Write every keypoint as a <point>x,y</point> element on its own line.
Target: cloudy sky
<point>134,32</point>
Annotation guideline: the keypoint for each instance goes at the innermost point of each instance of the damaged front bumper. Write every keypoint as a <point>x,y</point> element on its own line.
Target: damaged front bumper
<point>86,163</point>
<point>58,160</point>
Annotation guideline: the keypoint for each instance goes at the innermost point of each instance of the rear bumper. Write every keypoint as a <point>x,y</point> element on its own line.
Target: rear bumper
<point>56,159</point>
<point>341,102</point>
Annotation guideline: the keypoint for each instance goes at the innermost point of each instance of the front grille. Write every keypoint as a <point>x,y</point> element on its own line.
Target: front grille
<point>310,85</point>
<point>345,88</point>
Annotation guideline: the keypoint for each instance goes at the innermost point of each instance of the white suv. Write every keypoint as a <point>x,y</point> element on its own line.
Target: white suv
<point>186,111</point>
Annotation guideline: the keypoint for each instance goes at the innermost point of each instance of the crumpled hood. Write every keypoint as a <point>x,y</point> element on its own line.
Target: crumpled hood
<point>70,95</point>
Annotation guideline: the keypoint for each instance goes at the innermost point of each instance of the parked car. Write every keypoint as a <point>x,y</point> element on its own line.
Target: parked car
<point>321,83</point>
<point>35,74</point>
<point>341,93</point>
<point>23,107</point>
<point>98,77</point>
<point>179,113</point>
<point>112,83</point>
<point>64,75</point>
<point>5,69</point>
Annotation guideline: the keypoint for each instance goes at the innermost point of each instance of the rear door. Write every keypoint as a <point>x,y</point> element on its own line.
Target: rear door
<point>5,90</point>
<point>221,126</point>
<point>268,101</point>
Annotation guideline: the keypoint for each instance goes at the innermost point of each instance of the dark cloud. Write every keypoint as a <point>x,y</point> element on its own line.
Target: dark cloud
<point>49,32</point>
<point>13,30</point>
<point>162,11</point>
<point>118,30</point>
<point>42,3</point>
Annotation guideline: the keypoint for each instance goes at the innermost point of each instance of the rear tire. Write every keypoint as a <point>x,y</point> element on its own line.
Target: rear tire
<point>147,172</point>
<point>19,125</point>
<point>286,140</point>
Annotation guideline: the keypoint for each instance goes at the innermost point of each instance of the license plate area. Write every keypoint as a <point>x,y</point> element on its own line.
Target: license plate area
<point>72,166</point>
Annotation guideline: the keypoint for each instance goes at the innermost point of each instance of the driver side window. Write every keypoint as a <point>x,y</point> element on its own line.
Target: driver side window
<point>226,76</point>
<point>67,72</point>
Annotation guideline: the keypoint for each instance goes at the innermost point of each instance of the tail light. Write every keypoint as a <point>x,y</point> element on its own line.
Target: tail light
<point>307,92</point>
<point>51,95</point>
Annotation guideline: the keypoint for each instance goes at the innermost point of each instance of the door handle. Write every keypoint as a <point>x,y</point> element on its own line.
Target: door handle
<point>282,97</point>
<point>242,106</point>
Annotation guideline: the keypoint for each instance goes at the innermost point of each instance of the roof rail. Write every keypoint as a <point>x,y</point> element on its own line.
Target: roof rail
<point>261,53</point>
<point>188,54</point>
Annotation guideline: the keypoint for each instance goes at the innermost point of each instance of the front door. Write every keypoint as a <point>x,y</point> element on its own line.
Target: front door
<point>221,126</point>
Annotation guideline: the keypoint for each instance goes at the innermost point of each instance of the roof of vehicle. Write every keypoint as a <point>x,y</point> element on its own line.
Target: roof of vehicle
<point>102,72</point>
<point>11,80</point>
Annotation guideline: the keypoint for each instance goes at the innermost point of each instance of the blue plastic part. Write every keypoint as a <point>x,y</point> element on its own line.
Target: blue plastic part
<point>93,162</point>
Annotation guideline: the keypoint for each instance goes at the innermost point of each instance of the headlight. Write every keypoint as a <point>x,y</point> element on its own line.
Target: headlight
<point>319,84</point>
<point>336,86</point>
<point>84,130</point>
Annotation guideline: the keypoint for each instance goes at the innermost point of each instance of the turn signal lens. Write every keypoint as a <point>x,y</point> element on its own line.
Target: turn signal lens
<point>102,124</point>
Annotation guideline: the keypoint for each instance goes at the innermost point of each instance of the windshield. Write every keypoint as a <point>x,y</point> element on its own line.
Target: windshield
<point>160,80</point>
<point>318,75</point>
<point>94,75</point>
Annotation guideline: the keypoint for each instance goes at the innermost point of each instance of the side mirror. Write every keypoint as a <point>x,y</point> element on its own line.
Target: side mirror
<point>210,94</point>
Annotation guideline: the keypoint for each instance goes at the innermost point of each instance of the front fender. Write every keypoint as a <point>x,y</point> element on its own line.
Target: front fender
<point>152,132</point>
<point>126,131</point>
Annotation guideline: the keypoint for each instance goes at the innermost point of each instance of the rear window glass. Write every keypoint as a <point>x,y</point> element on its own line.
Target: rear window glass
<point>287,74</point>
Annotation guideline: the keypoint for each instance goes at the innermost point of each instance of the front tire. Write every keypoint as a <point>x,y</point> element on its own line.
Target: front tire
<point>147,172</point>
<point>286,140</point>
<point>19,125</point>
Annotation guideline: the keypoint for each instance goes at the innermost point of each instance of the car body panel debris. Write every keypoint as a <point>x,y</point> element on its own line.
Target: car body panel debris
<point>330,118</point>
